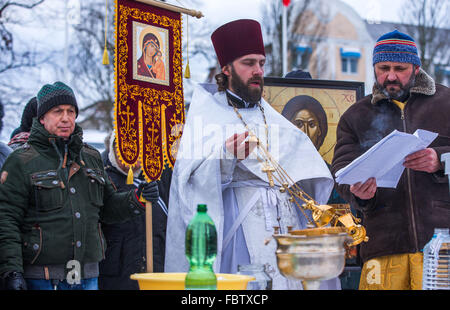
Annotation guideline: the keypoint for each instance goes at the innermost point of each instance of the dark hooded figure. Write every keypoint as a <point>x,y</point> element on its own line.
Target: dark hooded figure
<point>4,149</point>
<point>4,152</point>
<point>20,135</point>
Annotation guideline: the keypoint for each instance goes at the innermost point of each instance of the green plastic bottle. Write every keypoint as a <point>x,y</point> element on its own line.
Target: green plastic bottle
<point>201,251</point>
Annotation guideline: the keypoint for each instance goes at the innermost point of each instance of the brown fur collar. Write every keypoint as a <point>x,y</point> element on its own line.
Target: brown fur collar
<point>424,85</point>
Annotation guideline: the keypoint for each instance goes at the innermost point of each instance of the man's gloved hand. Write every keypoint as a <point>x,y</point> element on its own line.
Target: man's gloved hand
<point>149,191</point>
<point>15,281</point>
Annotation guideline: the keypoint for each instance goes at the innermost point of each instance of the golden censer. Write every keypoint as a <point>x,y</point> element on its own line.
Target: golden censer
<point>317,253</point>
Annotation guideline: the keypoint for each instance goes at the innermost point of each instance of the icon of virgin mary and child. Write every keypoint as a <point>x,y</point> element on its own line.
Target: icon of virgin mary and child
<point>151,63</point>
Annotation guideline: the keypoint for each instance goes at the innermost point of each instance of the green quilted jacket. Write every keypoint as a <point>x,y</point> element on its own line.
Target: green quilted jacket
<point>51,206</point>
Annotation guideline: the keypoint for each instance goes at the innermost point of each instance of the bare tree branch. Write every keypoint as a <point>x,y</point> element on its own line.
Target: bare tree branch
<point>300,31</point>
<point>5,4</point>
<point>12,59</point>
<point>427,21</point>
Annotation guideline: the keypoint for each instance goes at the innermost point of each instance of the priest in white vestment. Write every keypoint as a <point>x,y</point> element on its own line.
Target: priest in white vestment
<point>218,166</point>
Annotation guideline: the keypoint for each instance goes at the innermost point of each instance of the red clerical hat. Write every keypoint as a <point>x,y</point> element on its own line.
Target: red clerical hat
<point>236,39</point>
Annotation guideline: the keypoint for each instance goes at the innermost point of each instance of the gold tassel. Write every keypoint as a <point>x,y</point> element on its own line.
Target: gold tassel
<point>105,57</point>
<point>187,72</point>
<point>130,177</point>
<point>105,51</point>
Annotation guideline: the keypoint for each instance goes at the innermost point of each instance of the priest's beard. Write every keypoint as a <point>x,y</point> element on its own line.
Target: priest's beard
<point>243,90</point>
<point>400,95</point>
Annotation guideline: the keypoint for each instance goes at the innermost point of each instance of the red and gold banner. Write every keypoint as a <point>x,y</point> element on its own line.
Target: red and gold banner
<point>149,106</point>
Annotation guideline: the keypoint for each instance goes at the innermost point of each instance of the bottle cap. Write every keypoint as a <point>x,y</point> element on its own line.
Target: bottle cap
<point>201,208</point>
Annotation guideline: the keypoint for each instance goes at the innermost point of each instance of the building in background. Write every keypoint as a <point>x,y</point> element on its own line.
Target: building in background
<point>344,49</point>
<point>333,42</point>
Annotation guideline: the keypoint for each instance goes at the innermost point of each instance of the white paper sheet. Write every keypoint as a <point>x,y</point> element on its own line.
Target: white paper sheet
<point>384,160</point>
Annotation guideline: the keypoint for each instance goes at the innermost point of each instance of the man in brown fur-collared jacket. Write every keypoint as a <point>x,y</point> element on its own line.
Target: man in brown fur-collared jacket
<point>399,221</point>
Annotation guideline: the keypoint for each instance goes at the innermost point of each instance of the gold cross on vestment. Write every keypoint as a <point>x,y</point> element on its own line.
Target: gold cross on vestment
<point>269,170</point>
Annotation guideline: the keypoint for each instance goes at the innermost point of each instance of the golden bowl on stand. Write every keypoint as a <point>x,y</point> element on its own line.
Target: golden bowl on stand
<point>312,255</point>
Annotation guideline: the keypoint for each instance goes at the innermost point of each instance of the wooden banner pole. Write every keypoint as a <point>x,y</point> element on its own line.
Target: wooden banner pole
<point>149,235</point>
<point>173,8</point>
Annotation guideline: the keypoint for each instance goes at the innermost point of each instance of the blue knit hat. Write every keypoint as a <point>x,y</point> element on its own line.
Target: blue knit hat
<point>396,47</point>
<point>53,95</point>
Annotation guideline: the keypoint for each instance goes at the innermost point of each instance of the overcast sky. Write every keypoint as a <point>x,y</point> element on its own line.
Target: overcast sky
<point>224,11</point>
<point>48,33</point>
<point>218,12</point>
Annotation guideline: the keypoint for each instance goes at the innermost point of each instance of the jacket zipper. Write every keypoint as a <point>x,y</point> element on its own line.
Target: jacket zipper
<point>408,175</point>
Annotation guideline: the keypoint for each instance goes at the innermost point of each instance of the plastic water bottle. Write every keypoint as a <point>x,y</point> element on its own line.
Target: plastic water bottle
<point>446,158</point>
<point>436,260</point>
<point>201,251</point>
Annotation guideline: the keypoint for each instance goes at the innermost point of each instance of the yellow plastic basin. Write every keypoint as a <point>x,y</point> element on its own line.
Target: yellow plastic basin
<point>175,281</point>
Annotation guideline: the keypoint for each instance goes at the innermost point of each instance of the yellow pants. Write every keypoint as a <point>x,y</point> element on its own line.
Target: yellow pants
<point>393,272</point>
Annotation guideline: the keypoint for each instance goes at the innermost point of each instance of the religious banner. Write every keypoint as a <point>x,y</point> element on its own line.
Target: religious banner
<point>149,105</point>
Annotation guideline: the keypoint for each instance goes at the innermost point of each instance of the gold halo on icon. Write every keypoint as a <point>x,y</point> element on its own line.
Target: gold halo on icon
<point>154,31</point>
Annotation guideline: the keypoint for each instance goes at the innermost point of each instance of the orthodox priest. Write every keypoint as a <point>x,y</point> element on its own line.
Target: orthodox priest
<point>218,163</point>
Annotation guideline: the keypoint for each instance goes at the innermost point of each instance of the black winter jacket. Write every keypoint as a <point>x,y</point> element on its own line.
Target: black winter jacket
<point>126,244</point>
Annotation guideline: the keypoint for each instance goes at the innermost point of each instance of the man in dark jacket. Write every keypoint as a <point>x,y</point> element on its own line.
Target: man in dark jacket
<point>399,221</point>
<point>5,150</point>
<point>53,194</point>
<point>126,242</point>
